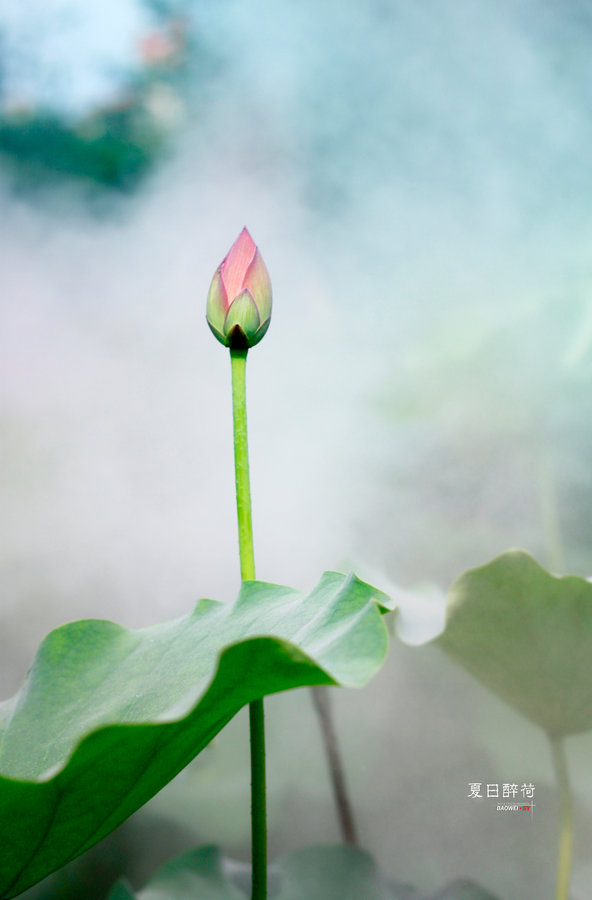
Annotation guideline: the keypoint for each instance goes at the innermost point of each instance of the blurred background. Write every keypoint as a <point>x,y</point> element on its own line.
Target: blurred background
<point>417,179</point>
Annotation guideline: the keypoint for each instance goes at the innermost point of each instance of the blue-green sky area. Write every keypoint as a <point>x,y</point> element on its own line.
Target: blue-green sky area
<point>417,177</point>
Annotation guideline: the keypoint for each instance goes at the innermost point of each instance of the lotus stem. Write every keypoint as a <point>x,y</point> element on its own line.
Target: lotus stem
<point>566,819</point>
<point>238,359</point>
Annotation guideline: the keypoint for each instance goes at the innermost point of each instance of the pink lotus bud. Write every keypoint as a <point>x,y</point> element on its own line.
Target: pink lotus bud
<point>239,301</point>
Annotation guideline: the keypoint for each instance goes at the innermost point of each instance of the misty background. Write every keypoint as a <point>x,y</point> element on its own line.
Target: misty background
<point>417,178</point>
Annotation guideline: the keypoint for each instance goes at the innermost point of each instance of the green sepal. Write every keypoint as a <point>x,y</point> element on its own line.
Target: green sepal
<point>216,306</point>
<point>242,314</point>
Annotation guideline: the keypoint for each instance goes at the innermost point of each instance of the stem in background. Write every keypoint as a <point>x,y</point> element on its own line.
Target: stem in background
<point>322,704</point>
<point>238,361</point>
<point>566,818</point>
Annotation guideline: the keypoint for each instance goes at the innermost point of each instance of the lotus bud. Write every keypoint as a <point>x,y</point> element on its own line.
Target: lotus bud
<point>239,301</point>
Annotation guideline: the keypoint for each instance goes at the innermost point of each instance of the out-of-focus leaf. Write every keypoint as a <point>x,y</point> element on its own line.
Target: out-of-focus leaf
<point>458,890</point>
<point>316,873</point>
<point>526,635</point>
<point>107,716</point>
<point>121,891</point>
<point>196,874</point>
<point>336,873</point>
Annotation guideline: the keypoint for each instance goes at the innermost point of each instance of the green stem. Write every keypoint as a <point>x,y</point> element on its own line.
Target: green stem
<point>566,816</point>
<point>258,801</point>
<point>238,361</point>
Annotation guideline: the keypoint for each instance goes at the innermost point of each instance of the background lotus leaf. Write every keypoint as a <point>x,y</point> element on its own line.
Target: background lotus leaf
<point>315,873</point>
<point>526,635</point>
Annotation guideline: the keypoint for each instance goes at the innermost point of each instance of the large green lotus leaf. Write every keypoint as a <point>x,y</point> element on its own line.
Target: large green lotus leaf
<point>316,873</point>
<point>527,635</point>
<point>107,716</point>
